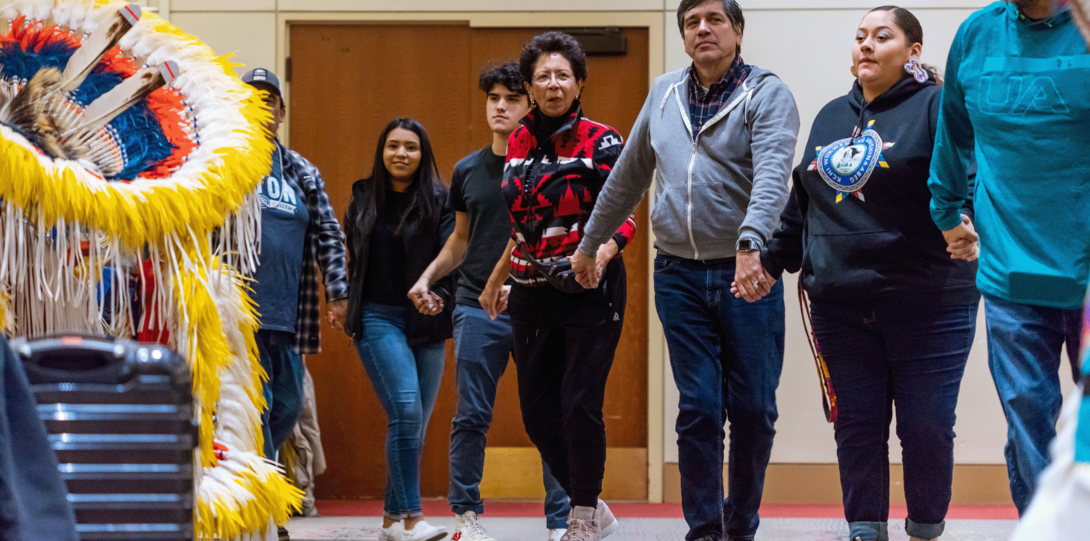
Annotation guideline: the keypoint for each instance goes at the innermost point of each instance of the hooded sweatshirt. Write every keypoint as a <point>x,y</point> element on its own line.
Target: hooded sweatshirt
<point>1017,92</point>
<point>857,223</point>
<point>726,183</point>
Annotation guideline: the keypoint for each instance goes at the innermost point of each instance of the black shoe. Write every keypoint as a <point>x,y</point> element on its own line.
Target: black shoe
<point>283,533</point>
<point>750,538</point>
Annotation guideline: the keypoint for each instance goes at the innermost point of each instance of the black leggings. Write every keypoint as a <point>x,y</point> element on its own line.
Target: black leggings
<point>564,346</point>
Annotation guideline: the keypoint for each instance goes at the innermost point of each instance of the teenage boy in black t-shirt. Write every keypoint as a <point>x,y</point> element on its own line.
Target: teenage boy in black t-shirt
<point>481,345</point>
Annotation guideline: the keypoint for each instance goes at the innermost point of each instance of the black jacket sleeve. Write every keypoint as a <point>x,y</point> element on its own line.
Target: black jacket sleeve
<point>967,208</point>
<point>444,287</point>
<point>784,251</point>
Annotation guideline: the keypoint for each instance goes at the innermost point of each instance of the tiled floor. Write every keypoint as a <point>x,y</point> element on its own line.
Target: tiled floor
<point>646,529</point>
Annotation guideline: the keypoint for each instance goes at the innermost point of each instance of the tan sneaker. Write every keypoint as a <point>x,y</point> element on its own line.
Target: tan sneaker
<point>607,523</point>
<point>582,525</point>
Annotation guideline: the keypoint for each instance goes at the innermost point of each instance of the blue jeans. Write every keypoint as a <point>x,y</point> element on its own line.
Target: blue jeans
<point>726,355</point>
<point>283,390</point>
<point>406,380</point>
<point>1024,344</point>
<point>883,352</point>
<point>482,347</point>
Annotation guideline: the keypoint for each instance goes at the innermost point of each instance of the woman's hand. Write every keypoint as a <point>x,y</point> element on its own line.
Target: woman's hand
<point>336,313</point>
<point>963,242</point>
<point>424,299</point>
<point>585,269</point>
<point>493,299</point>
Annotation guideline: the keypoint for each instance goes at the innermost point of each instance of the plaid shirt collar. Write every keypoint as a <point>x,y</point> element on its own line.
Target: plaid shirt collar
<point>704,105</point>
<point>323,253</point>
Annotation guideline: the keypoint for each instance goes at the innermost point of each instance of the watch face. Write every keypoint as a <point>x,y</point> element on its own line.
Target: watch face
<point>747,245</point>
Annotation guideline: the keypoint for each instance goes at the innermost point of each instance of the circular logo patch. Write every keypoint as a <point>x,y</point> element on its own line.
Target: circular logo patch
<point>846,165</point>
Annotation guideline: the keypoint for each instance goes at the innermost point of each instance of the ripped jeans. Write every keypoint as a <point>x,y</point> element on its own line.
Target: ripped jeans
<point>406,380</point>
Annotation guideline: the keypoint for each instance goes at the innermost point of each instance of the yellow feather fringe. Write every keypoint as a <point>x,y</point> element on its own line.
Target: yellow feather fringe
<point>177,216</point>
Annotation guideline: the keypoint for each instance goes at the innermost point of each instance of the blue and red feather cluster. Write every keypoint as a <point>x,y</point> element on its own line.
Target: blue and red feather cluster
<point>24,52</point>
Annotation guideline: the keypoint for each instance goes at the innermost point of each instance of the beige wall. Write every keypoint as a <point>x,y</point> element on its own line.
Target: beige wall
<point>806,42</point>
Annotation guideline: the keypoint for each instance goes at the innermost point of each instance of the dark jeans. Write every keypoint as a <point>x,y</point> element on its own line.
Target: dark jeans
<point>33,506</point>
<point>406,380</point>
<point>726,355</point>
<point>564,346</point>
<point>481,348</point>
<point>885,352</point>
<point>283,390</point>
<point>1024,344</point>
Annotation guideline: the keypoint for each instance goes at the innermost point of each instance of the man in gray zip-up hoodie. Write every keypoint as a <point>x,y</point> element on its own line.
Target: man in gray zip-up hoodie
<point>721,135</point>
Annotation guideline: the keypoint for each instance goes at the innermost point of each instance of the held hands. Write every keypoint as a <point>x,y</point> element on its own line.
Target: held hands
<point>494,299</point>
<point>963,242</point>
<point>336,313</point>
<point>588,272</point>
<point>425,300</point>
<point>751,282</point>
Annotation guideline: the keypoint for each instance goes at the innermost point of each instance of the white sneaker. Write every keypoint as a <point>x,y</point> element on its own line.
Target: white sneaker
<point>468,528</point>
<point>556,534</point>
<point>393,533</point>
<point>423,532</point>
<point>607,523</point>
<point>582,525</point>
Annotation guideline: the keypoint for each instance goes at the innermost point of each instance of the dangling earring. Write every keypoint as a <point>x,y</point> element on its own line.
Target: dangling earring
<point>532,103</point>
<point>916,69</point>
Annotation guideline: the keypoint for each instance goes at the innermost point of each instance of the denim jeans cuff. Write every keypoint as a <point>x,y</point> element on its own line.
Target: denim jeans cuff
<point>402,515</point>
<point>463,509</point>
<point>924,531</point>
<point>868,531</point>
<point>556,523</point>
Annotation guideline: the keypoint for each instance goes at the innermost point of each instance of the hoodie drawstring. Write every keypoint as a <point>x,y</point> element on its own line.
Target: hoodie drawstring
<point>859,128</point>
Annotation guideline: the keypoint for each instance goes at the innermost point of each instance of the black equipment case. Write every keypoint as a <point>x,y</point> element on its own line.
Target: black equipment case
<point>120,417</point>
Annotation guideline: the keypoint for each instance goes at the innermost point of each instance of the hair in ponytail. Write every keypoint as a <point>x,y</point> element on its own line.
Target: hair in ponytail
<point>910,25</point>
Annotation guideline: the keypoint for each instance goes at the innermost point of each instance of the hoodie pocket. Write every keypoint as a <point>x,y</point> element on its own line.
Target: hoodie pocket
<point>851,265</point>
<point>669,215</point>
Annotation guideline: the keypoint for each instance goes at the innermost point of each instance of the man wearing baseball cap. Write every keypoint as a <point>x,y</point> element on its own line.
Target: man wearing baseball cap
<point>300,234</point>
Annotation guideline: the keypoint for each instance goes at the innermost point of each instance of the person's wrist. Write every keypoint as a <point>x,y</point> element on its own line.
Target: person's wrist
<point>748,246</point>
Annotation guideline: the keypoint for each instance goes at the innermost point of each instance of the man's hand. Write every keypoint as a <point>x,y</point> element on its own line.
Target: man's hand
<point>751,282</point>
<point>585,269</point>
<point>424,300</point>
<point>336,312</point>
<point>963,242</point>
<point>493,299</point>
<point>606,253</point>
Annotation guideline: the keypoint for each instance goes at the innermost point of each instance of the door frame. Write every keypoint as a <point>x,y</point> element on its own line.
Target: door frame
<point>656,23</point>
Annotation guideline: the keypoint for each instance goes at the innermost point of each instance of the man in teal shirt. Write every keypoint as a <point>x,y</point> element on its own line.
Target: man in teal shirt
<point>1018,83</point>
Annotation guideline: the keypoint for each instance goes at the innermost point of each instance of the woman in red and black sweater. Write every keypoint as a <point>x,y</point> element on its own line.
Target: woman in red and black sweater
<point>557,163</point>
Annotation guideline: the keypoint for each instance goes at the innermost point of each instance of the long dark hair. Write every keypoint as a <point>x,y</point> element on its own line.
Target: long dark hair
<point>362,211</point>
<point>910,25</point>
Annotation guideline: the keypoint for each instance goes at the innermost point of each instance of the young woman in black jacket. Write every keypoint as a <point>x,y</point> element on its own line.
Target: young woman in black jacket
<point>894,315</point>
<point>397,221</point>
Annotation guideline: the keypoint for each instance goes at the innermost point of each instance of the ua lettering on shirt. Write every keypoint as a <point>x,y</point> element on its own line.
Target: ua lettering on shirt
<point>284,221</point>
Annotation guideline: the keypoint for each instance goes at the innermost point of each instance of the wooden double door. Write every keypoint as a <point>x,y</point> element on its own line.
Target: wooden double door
<point>348,81</point>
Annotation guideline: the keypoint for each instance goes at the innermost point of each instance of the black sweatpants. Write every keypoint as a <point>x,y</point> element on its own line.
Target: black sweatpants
<point>564,346</point>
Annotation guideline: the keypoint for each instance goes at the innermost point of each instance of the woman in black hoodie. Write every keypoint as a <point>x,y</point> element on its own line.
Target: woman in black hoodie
<point>893,313</point>
<point>397,221</point>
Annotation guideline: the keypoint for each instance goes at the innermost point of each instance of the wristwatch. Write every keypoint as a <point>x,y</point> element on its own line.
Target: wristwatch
<point>748,245</point>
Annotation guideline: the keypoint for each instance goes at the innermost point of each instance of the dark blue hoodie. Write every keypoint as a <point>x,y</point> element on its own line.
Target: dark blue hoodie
<point>858,223</point>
